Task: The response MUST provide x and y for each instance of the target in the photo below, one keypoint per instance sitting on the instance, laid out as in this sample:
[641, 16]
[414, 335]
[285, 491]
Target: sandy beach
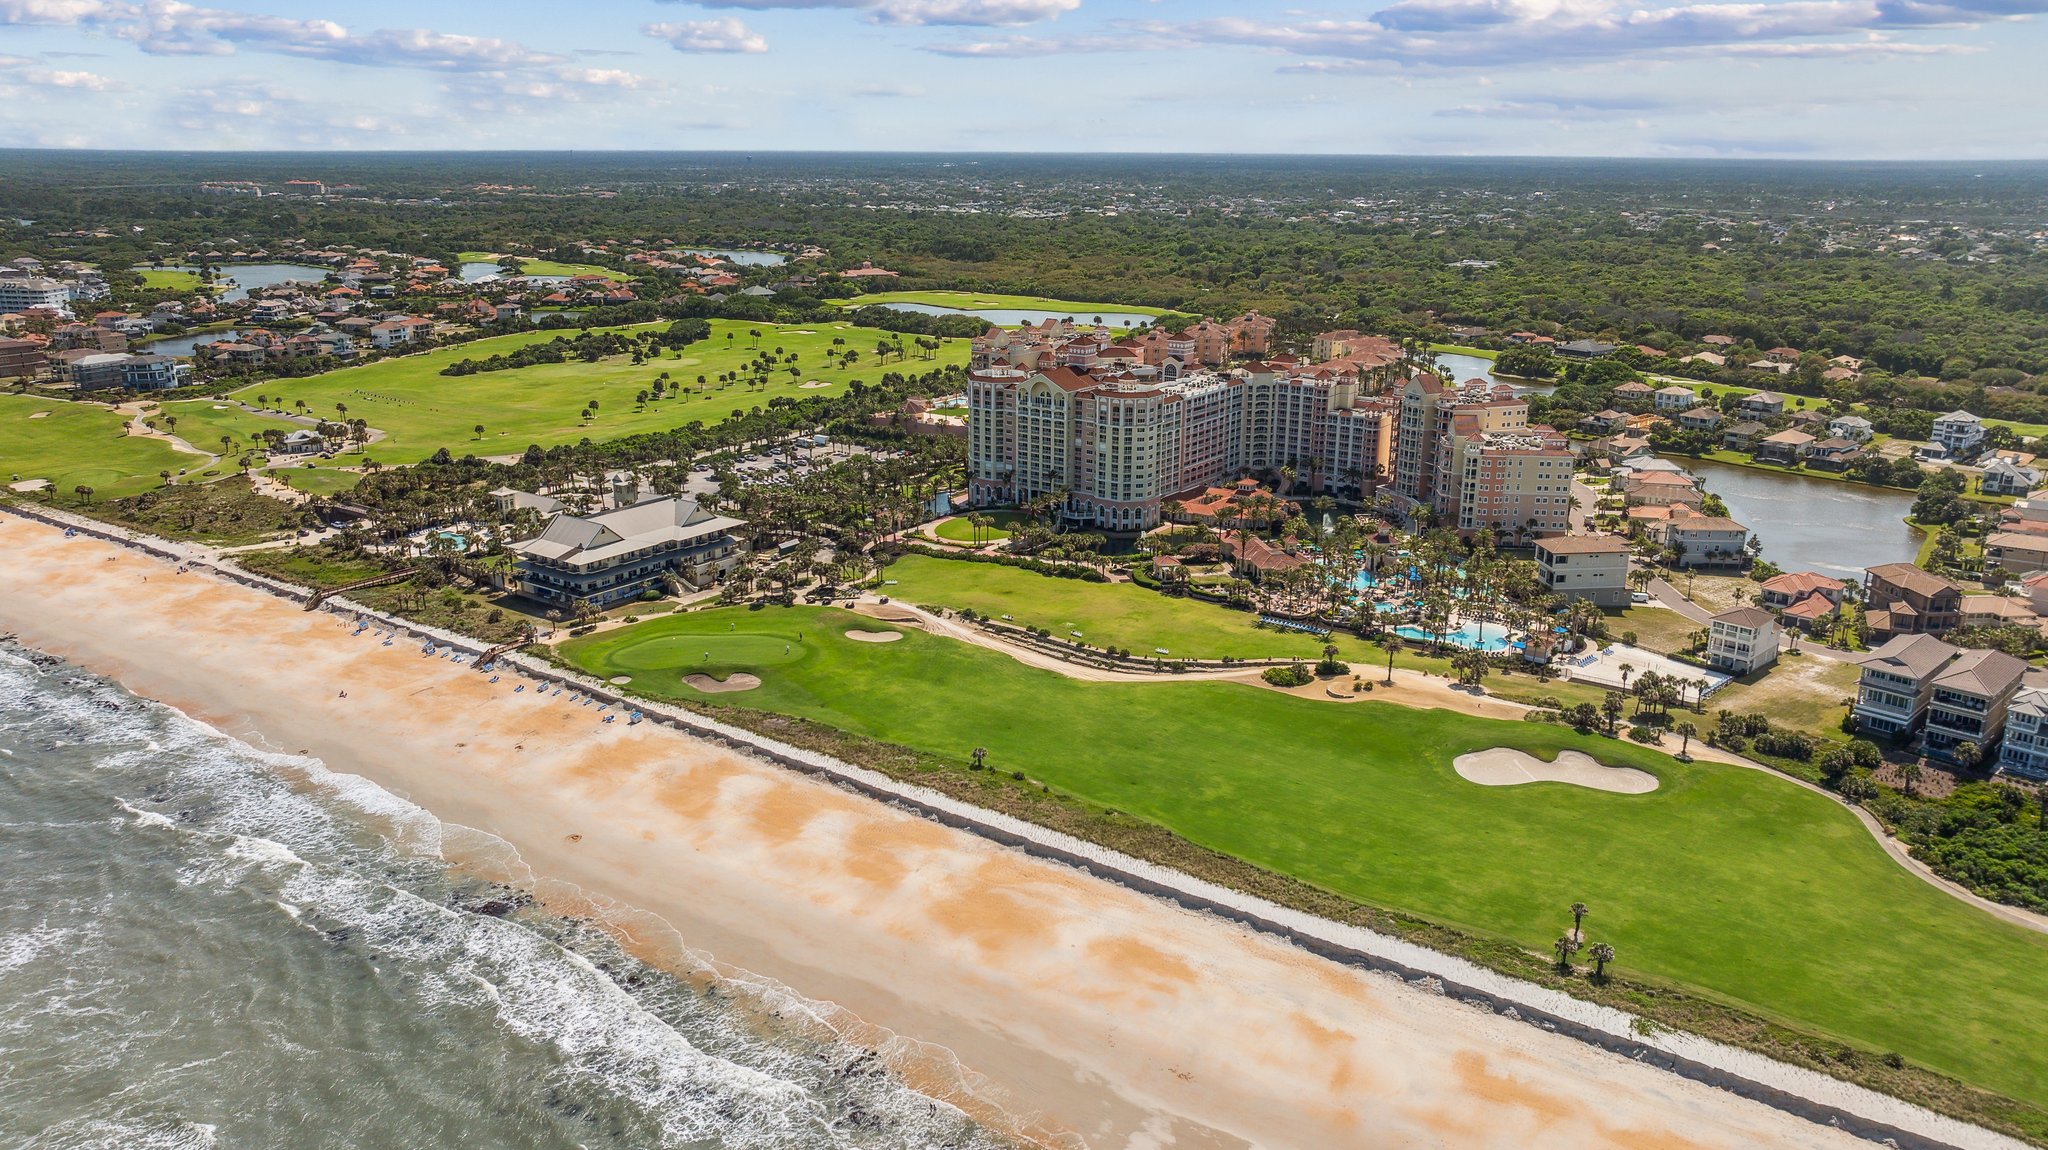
[1086, 1013]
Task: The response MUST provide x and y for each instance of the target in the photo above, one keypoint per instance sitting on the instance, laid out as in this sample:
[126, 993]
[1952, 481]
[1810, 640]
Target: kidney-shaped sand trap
[874, 636]
[737, 681]
[1506, 767]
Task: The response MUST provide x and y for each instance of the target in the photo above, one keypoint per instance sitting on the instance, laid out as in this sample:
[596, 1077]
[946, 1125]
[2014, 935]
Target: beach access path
[1084, 1012]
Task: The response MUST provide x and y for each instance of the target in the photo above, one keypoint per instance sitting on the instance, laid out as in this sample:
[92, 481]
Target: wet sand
[1097, 1016]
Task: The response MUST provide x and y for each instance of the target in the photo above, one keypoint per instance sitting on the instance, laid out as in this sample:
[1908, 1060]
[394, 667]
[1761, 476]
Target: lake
[1809, 524]
[185, 345]
[248, 277]
[1468, 367]
[478, 271]
[1014, 317]
[748, 259]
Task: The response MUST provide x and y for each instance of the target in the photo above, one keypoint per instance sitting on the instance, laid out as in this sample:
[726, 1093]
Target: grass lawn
[168, 279]
[202, 423]
[975, 301]
[1724, 879]
[1461, 349]
[80, 443]
[1804, 692]
[545, 267]
[317, 480]
[959, 530]
[1657, 628]
[1106, 614]
[421, 410]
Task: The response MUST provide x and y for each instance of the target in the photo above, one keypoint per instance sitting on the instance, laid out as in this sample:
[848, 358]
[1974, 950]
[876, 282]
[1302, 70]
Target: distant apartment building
[1117, 443]
[21, 359]
[30, 293]
[1589, 567]
[1742, 641]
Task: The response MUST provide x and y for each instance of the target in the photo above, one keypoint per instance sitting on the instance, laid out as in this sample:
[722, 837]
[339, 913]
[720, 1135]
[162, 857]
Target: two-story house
[1706, 541]
[1698, 419]
[1742, 641]
[2016, 552]
[1853, 428]
[1676, 397]
[1761, 405]
[1901, 599]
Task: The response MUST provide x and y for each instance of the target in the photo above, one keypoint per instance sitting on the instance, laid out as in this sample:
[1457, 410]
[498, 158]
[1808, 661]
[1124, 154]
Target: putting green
[1727, 880]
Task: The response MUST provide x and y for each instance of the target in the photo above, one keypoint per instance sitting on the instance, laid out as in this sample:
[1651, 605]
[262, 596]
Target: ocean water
[203, 944]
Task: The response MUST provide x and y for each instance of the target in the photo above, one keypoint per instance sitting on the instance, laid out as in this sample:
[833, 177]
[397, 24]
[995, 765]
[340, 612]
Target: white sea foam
[124, 1133]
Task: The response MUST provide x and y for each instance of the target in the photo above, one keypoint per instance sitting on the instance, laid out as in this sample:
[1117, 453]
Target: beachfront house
[1590, 567]
[2024, 750]
[1970, 698]
[1898, 683]
[1742, 641]
[658, 545]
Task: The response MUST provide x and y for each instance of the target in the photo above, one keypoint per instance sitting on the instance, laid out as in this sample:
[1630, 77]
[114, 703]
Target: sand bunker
[39, 415]
[874, 636]
[619, 680]
[1506, 767]
[29, 485]
[737, 681]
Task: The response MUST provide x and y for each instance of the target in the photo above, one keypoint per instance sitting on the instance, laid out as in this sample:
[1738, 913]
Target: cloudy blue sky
[1787, 78]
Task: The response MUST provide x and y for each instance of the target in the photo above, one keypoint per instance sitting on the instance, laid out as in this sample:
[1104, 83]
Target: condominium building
[1516, 482]
[1590, 567]
[618, 555]
[1434, 417]
[1114, 444]
[26, 293]
[21, 359]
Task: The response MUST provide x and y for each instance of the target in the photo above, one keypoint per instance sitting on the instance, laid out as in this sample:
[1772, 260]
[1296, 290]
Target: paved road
[1664, 593]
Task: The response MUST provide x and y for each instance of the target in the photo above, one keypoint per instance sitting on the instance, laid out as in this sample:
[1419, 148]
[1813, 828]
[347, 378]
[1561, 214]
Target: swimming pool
[1477, 636]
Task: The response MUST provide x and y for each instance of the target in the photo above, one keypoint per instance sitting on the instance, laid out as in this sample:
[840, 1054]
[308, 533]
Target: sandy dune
[1087, 1014]
[1507, 767]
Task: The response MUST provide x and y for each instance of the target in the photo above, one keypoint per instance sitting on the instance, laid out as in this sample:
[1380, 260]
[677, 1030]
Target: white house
[1674, 398]
[1742, 641]
[1853, 428]
[1958, 434]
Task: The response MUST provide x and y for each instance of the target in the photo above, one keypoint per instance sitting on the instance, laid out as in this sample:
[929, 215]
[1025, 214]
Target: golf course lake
[1812, 524]
[238, 280]
[1014, 316]
[185, 345]
[747, 259]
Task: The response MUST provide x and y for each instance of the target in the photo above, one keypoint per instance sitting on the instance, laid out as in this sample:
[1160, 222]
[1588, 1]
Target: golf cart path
[1415, 689]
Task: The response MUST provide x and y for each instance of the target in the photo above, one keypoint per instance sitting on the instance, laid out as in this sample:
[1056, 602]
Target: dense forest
[1933, 270]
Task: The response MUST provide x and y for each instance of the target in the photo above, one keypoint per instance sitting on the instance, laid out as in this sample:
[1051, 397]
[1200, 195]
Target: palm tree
[165, 476]
[1391, 644]
[1685, 733]
[479, 429]
[1627, 669]
[84, 492]
[1602, 955]
[1565, 946]
[1910, 774]
[1612, 706]
[1579, 912]
[980, 757]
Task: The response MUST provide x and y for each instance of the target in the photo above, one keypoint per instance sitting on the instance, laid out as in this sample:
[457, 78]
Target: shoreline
[1118, 1014]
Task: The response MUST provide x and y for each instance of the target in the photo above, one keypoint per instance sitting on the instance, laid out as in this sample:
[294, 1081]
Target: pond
[1013, 317]
[747, 259]
[477, 272]
[1468, 367]
[184, 345]
[1812, 524]
[240, 279]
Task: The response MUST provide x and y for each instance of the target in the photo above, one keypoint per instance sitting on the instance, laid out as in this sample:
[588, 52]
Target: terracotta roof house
[1902, 599]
